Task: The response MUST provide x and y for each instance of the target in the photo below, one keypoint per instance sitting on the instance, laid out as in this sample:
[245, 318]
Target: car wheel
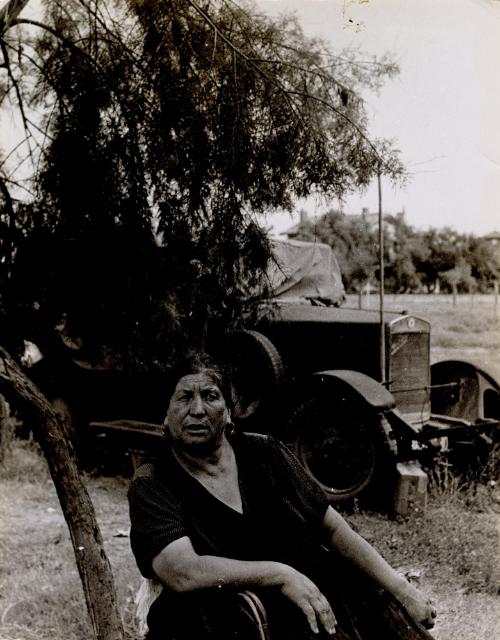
[338, 442]
[257, 372]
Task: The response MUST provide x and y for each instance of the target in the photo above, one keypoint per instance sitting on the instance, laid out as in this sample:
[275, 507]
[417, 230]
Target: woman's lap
[365, 613]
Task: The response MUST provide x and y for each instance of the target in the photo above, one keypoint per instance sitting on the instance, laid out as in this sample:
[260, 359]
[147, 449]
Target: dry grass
[40, 590]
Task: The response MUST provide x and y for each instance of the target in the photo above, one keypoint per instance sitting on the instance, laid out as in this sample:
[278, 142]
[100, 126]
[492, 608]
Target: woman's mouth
[196, 428]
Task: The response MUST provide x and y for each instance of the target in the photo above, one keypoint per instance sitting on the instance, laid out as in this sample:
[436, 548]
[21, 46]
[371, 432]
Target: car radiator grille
[409, 375]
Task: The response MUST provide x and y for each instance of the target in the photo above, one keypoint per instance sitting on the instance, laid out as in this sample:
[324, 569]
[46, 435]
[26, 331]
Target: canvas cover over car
[305, 271]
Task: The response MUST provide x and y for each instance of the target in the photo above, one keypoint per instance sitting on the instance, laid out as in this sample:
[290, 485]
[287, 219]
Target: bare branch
[9, 12]
[242, 55]
[18, 185]
[288, 92]
[57, 34]
[19, 96]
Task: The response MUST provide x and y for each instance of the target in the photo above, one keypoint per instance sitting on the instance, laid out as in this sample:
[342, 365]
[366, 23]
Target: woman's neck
[210, 463]
[217, 472]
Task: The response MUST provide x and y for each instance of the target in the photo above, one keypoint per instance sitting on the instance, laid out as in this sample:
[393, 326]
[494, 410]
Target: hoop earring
[229, 428]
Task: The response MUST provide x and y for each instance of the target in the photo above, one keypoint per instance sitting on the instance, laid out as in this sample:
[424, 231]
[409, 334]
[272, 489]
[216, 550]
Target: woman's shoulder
[145, 471]
[156, 472]
[263, 444]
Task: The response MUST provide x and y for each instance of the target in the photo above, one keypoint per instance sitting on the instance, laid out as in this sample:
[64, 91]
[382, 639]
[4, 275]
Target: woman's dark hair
[200, 362]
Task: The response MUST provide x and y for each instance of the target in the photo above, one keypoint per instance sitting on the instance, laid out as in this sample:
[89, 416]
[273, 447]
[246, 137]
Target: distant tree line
[427, 261]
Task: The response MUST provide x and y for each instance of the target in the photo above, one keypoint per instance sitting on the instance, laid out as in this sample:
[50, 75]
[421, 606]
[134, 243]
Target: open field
[452, 549]
[469, 330]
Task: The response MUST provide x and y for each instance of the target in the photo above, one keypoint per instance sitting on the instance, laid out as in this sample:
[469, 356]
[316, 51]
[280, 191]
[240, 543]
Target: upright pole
[495, 291]
[381, 280]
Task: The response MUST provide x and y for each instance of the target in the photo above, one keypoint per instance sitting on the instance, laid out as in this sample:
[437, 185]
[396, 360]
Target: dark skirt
[363, 612]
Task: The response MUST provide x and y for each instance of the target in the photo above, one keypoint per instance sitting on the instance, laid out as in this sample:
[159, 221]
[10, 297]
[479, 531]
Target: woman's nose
[196, 408]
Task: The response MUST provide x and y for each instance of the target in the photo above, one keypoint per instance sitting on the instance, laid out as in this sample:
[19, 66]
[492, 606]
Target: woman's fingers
[325, 614]
[421, 609]
[322, 613]
[306, 595]
[310, 614]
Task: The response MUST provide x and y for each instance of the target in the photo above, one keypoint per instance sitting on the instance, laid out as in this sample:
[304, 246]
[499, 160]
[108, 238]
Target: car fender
[475, 397]
[369, 390]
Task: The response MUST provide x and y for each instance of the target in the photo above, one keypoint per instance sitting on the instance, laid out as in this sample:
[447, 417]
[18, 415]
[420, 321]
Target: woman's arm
[181, 569]
[357, 550]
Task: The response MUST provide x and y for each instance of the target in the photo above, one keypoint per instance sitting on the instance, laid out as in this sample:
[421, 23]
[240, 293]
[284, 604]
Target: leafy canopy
[177, 120]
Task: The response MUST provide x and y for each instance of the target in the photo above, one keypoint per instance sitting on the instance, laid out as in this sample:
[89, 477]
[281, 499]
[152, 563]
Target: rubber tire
[257, 372]
[339, 442]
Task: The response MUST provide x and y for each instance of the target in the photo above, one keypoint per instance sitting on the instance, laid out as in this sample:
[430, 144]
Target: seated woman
[219, 512]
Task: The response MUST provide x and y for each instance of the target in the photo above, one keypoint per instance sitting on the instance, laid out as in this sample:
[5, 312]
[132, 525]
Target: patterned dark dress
[281, 521]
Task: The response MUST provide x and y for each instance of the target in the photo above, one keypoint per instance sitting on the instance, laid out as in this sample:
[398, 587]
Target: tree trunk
[6, 429]
[93, 565]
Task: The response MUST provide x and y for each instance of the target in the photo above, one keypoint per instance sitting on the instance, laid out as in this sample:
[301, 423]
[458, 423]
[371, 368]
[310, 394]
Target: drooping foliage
[172, 123]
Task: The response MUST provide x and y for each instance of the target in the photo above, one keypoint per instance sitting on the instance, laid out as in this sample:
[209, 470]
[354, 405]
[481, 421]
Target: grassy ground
[453, 552]
[40, 590]
[452, 549]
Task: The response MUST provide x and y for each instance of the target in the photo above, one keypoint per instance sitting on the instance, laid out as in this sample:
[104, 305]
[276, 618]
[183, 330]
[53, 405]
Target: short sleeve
[300, 493]
[156, 518]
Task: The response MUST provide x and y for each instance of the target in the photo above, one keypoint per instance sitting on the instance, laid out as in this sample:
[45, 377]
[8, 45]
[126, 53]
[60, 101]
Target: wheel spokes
[338, 451]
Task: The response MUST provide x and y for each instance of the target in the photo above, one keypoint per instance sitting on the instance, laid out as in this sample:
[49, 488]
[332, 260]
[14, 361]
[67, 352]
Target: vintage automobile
[351, 390]
[351, 401]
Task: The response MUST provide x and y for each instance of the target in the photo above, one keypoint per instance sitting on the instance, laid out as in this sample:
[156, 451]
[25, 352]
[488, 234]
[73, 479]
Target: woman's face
[197, 414]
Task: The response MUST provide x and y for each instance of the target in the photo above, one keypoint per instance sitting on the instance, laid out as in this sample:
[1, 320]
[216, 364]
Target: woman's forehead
[192, 380]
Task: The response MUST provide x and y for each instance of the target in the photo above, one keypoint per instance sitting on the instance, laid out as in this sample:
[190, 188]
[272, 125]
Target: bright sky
[443, 109]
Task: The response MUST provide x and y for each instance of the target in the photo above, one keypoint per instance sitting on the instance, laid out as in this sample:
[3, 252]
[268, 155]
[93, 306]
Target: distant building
[370, 218]
[293, 232]
[493, 239]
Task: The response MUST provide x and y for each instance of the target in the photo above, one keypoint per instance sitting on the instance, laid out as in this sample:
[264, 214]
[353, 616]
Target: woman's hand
[357, 550]
[418, 606]
[306, 595]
